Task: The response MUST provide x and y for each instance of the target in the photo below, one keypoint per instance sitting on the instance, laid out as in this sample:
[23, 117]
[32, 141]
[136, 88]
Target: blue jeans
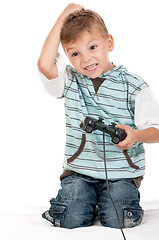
[80, 196]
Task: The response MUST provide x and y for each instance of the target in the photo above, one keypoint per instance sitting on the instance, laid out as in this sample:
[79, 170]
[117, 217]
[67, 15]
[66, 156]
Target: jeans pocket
[56, 213]
[132, 217]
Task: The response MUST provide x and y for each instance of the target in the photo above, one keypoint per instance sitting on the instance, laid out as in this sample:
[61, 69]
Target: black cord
[106, 173]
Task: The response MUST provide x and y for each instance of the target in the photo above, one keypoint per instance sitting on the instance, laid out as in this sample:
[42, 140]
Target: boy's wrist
[148, 135]
[59, 23]
[61, 19]
[137, 135]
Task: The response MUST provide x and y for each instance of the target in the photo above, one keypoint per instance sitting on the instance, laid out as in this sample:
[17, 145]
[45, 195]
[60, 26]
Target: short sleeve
[146, 110]
[55, 87]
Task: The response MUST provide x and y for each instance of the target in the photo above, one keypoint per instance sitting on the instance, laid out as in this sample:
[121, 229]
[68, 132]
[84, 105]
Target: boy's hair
[81, 20]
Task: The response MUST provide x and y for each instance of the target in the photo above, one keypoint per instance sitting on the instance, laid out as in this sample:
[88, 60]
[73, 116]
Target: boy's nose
[86, 58]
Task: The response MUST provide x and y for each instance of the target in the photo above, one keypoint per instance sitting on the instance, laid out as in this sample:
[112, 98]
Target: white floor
[27, 224]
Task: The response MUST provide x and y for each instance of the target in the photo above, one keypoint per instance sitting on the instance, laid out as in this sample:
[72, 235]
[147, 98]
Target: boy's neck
[109, 67]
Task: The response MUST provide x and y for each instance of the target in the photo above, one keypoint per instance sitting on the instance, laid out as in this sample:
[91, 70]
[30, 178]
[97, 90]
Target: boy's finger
[125, 127]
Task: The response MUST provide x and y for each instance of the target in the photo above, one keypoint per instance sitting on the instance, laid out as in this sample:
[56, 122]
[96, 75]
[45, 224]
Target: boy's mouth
[91, 67]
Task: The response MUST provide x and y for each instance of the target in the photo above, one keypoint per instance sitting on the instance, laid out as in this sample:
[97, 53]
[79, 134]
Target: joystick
[89, 124]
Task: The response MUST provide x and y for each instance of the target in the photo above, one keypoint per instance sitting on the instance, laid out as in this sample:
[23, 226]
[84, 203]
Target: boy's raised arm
[46, 61]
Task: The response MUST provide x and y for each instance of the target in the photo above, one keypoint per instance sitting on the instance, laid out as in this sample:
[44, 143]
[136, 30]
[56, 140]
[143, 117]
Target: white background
[32, 123]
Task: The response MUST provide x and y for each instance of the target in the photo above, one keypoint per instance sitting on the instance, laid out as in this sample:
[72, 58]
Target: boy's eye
[93, 47]
[74, 54]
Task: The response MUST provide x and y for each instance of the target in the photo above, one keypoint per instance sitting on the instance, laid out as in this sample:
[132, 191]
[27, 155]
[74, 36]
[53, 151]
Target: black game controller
[90, 124]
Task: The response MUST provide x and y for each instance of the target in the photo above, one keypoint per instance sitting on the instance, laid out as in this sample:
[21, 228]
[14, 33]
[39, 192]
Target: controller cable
[107, 183]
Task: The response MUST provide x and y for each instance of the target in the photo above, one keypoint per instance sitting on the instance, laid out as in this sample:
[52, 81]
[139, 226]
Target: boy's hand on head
[129, 140]
[71, 8]
[46, 61]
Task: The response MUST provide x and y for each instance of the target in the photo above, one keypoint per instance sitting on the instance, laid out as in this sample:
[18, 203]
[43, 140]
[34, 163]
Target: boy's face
[89, 54]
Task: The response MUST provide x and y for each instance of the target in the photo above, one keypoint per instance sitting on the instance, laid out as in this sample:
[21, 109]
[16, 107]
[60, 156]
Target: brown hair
[81, 20]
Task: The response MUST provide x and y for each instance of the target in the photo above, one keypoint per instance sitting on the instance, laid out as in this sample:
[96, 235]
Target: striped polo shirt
[112, 97]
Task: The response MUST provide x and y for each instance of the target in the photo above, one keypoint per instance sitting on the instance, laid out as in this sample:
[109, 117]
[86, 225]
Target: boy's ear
[110, 43]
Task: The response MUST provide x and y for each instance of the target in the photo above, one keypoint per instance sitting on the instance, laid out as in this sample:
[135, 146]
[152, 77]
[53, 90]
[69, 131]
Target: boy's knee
[129, 217]
[70, 215]
[132, 217]
[76, 222]
[67, 222]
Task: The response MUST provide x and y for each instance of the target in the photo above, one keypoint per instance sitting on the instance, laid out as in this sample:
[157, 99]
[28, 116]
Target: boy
[96, 87]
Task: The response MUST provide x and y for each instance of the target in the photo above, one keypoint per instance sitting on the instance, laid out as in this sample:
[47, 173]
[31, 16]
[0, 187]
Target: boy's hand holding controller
[129, 140]
[149, 135]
